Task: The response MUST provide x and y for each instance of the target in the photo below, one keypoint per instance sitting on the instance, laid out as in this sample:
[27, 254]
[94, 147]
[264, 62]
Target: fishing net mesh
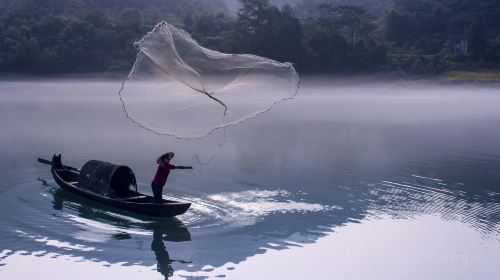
[177, 87]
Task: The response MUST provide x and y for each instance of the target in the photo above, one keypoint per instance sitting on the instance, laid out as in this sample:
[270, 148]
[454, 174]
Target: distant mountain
[375, 7]
[3, 5]
[56, 6]
[233, 5]
[210, 5]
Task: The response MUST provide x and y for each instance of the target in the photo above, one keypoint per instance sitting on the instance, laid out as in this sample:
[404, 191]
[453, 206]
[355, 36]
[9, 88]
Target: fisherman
[162, 173]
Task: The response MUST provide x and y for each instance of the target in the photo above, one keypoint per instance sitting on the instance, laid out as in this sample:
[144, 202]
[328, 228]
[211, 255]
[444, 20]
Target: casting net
[177, 87]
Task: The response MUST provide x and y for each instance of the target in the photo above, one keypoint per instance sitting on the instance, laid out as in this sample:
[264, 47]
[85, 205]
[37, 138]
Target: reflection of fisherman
[162, 173]
[164, 263]
[177, 234]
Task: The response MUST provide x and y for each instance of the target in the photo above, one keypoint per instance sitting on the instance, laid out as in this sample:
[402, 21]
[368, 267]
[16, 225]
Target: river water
[346, 181]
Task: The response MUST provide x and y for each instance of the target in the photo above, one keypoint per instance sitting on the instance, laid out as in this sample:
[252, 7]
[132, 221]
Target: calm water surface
[363, 181]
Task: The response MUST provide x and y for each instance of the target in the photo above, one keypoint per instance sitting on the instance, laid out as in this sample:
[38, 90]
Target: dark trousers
[157, 192]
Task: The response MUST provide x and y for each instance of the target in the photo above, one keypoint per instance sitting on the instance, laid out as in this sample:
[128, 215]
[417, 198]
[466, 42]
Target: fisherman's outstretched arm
[183, 167]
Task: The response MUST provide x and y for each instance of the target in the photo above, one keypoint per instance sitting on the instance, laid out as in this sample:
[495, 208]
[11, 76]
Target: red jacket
[162, 174]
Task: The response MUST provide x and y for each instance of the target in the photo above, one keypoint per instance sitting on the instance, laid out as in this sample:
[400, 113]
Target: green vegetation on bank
[428, 37]
[468, 76]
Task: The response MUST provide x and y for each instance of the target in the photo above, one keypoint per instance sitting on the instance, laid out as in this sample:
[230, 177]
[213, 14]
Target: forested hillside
[405, 36]
[83, 35]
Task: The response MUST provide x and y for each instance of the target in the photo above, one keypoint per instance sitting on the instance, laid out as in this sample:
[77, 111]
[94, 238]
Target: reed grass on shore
[480, 76]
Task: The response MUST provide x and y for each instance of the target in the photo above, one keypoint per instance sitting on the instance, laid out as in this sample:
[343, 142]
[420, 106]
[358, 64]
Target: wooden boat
[111, 185]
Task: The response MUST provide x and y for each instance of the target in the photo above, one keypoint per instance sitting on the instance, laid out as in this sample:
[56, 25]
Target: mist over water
[357, 180]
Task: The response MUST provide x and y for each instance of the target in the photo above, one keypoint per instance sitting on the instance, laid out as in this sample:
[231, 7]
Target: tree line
[410, 36]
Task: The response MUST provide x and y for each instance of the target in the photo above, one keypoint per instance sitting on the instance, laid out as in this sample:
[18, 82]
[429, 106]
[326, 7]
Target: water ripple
[480, 211]
[237, 209]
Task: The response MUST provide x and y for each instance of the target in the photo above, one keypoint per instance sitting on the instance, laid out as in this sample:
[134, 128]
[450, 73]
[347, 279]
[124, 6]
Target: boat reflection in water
[163, 229]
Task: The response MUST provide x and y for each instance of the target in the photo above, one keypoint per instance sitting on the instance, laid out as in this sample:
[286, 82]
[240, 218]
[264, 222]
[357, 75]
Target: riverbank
[479, 76]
